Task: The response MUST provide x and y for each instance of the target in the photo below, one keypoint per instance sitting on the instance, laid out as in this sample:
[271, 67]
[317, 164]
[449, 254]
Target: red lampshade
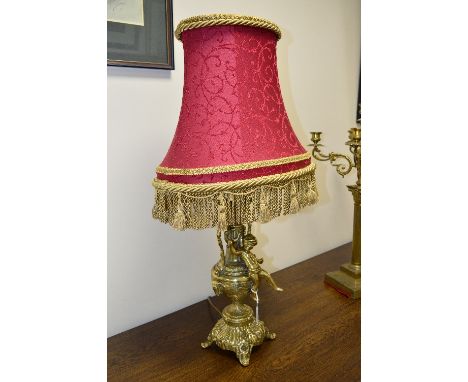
[234, 144]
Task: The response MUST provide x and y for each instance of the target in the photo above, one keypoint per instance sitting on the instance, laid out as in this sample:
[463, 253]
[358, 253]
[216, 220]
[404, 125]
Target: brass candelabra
[347, 279]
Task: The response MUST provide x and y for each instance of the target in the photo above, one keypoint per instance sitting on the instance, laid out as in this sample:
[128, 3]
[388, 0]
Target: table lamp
[234, 160]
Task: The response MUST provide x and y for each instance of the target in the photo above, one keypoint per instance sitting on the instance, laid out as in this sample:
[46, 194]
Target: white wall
[154, 270]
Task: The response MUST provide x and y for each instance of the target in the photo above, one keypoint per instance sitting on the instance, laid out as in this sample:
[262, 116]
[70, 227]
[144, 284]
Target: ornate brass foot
[270, 335]
[207, 343]
[243, 355]
[238, 334]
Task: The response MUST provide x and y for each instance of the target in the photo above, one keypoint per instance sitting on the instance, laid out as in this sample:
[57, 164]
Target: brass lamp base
[237, 275]
[347, 280]
[238, 331]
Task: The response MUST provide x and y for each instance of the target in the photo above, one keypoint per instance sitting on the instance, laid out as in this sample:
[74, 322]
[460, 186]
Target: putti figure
[252, 262]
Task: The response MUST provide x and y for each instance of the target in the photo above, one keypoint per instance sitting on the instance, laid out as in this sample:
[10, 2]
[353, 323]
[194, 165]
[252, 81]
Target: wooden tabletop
[318, 336]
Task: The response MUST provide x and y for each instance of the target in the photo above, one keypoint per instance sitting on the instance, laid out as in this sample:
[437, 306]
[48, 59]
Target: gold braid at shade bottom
[240, 202]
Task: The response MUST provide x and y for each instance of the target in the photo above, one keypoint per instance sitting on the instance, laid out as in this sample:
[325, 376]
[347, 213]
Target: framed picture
[140, 33]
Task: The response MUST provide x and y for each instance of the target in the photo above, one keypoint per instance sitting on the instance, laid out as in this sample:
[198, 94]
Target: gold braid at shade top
[227, 19]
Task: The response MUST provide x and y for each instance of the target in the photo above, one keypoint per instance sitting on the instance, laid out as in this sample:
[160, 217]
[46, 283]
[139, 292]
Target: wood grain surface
[318, 336]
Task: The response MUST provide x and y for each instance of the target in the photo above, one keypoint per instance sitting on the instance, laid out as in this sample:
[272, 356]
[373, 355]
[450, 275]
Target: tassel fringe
[199, 210]
[222, 220]
[294, 206]
[179, 218]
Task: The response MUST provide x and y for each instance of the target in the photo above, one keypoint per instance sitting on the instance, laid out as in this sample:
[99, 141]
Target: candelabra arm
[341, 168]
[317, 154]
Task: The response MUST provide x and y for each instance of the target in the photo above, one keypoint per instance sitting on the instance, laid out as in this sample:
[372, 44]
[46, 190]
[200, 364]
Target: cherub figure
[252, 262]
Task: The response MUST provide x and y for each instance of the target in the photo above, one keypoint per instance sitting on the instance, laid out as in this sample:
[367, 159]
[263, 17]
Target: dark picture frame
[143, 46]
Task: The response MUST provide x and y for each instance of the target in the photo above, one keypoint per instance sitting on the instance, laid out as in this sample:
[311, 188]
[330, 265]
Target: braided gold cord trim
[233, 185]
[186, 206]
[233, 167]
[225, 19]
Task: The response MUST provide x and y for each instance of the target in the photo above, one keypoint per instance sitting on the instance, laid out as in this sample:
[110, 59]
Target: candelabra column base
[347, 280]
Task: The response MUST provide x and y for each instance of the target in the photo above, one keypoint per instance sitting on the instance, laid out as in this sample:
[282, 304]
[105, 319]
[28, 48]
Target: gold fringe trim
[225, 19]
[232, 167]
[199, 206]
